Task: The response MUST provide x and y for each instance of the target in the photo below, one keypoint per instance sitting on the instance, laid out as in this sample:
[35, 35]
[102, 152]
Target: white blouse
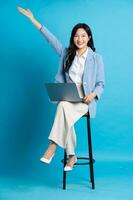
[76, 71]
[77, 68]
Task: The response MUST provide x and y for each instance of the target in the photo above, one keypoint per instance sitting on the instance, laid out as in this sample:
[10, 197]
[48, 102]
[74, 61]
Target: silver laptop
[64, 92]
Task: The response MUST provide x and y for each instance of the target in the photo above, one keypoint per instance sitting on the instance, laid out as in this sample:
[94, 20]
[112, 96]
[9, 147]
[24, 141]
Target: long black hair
[71, 50]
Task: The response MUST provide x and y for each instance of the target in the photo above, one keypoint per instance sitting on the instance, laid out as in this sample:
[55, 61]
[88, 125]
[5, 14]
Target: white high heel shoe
[68, 168]
[45, 160]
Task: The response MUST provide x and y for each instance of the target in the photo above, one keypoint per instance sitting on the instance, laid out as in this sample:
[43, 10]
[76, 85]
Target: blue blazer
[93, 76]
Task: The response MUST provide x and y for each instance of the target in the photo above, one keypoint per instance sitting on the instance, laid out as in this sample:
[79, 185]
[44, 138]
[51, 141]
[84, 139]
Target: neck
[81, 51]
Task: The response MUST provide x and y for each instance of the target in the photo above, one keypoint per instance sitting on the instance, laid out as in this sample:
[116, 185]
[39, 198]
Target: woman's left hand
[89, 98]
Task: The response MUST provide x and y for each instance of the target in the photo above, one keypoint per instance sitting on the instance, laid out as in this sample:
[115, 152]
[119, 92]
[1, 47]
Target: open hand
[27, 12]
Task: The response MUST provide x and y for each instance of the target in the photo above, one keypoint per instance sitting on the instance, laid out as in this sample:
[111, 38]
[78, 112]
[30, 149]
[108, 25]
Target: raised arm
[54, 42]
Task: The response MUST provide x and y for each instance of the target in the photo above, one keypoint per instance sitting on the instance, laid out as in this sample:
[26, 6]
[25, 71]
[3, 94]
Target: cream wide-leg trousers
[63, 132]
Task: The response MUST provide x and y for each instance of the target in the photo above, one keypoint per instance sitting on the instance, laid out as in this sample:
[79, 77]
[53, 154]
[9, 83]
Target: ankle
[53, 146]
[72, 156]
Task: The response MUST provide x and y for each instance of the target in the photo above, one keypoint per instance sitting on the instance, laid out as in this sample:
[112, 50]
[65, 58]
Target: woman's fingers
[21, 10]
[87, 99]
[27, 12]
[30, 14]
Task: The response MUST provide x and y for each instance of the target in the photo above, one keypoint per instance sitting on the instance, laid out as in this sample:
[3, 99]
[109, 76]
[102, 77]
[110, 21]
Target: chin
[80, 47]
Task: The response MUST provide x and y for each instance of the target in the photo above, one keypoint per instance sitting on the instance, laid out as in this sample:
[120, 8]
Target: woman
[79, 63]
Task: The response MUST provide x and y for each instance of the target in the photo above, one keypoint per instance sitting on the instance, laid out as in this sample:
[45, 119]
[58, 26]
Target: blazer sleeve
[100, 77]
[54, 42]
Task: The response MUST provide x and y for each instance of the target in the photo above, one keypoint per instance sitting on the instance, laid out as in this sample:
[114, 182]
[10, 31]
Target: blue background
[27, 61]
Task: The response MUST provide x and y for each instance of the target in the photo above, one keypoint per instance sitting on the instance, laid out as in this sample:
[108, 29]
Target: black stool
[90, 160]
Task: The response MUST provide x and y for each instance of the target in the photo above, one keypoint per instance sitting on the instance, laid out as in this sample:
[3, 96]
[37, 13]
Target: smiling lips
[80, 43]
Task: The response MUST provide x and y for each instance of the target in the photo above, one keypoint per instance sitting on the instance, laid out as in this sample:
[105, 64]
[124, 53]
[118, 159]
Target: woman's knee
[63, 104]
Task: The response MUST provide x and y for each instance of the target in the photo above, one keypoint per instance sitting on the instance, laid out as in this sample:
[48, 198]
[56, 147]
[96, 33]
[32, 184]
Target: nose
[79, 39]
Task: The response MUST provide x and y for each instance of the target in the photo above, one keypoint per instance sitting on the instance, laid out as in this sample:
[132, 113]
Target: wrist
[93, 94]
[35, 22]
[32, 19]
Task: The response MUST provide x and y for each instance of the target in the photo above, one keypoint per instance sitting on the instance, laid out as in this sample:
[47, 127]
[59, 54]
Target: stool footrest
[81, 163]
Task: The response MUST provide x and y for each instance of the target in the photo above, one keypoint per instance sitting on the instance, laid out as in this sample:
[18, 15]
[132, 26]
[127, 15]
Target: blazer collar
[90, 53]
[88, 59]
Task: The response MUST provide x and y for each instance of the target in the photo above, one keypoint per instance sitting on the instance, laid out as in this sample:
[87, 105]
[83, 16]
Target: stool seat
[89, 160]
[86, 115]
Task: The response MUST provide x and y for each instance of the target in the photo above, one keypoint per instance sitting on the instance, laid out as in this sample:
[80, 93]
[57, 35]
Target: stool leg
[90, 154]
[64, 172]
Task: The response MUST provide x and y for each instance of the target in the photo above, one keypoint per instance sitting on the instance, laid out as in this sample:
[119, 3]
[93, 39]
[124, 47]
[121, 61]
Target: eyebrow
[81, 34]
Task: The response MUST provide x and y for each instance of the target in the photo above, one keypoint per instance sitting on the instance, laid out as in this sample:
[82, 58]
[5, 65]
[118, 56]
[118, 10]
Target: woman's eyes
[79, 36]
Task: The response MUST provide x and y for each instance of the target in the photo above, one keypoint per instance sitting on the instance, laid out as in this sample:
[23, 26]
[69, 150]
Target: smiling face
[81, 38]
